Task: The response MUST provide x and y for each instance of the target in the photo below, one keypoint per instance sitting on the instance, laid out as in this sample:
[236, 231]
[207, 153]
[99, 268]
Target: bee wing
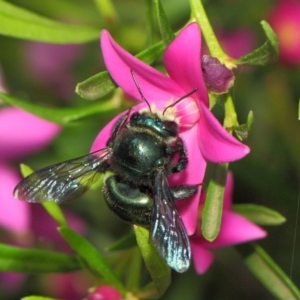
[168, 233]
[64, 181]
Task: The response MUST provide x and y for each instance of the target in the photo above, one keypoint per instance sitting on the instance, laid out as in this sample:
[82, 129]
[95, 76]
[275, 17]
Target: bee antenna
[139, 89]
[180, 99]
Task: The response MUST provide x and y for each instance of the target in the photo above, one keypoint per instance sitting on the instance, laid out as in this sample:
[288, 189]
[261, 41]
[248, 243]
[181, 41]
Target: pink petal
[22, 133]
[235, 229]
[183, 62]
[216, 144]
[202, 257]
[193, 174]
[154, 85]
[15, 215]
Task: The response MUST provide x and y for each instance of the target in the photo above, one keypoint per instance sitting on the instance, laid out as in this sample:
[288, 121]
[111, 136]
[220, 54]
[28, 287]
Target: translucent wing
[168, 233]
[64, 181]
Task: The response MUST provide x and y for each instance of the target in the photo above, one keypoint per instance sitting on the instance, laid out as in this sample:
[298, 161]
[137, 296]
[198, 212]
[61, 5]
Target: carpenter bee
[143, 150]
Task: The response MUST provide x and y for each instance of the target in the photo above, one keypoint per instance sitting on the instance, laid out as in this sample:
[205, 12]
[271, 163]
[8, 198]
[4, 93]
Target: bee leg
[127, 202]
[182, 192]
[183, 160]
[118, 126]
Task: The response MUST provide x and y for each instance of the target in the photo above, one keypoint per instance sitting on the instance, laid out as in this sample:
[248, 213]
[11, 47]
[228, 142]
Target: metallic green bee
[142, 151]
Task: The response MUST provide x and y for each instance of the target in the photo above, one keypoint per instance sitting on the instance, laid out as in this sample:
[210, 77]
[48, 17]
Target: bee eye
[170, 126]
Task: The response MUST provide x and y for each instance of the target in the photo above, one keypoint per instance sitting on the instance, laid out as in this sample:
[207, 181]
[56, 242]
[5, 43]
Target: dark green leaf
[213, 207]
[34, 261]
[21, 23]
[259, 214]
[95, 262]
[270, 274]
[126, 242]
[101, 84]
[158, 269]
[63, 116]
[163, 23]
[267, 53]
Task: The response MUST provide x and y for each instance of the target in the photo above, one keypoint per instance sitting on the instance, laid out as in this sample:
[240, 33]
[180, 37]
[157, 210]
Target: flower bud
[217, 77]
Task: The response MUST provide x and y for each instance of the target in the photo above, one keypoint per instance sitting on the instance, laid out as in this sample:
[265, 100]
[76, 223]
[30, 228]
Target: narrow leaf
[213, 206]
[101, 84]
[158, 269]
[56, 213]
[125, 242]
[163, 23]
[63, 116]
[95, 262]
[35, 261]
[259, 214]
[38, 298]
[267, 53]
[270, 274]
[299, 110]
[21, 23]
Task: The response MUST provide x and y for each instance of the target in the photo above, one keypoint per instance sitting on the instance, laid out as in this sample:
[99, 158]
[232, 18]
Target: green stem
[198, 13]
[230, 119]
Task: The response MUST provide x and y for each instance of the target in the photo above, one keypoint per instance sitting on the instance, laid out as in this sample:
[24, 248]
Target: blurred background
[48, 73]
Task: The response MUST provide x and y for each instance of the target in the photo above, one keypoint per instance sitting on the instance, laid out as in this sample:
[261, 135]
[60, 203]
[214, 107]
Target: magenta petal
[15, 214]
[154, 85]
[22, 133]
[236, 229]
[183, 63]
[216, 144]
[193, 174]
[202, 257]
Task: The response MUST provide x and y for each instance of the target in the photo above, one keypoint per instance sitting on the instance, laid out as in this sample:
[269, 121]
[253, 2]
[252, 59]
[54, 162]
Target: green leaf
[243, 131]
[125, 242]
[96, 86]
[101, 84]
[267, 53]
[95, 262]
[38, 298]
[35, 261]
[259, 214]
[56, 213]
[299, 110]
[62, 116]
[159, 271]
[270, 274]
[21, 23]
[25, 170]
[213, 206]
[163, 23]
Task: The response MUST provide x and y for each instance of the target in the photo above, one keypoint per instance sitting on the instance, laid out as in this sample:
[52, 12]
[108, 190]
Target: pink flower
[235, 229]
[104, 292]
[285, 20]
[204, 137]
[21, 133]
